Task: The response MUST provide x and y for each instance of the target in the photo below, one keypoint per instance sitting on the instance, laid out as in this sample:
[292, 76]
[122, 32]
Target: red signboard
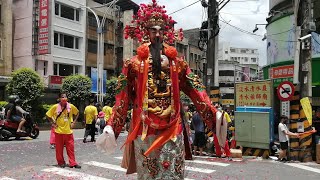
[282, 72]
[44, 27]
[56, 79]
[55, 82]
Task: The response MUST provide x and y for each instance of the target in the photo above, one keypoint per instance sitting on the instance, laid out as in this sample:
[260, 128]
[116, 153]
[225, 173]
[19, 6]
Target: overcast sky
[240, 13]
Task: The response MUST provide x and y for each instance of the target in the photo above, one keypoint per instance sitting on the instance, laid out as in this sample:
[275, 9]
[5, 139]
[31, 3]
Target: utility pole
[212, 27]
[305, 70]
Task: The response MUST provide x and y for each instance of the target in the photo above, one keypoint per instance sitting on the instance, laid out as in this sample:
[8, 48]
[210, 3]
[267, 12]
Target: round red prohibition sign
[285, 91]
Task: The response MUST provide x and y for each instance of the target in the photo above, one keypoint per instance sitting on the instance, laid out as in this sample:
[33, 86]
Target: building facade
[281, 47]
[49, 37]
[235, 65]
[5, 44]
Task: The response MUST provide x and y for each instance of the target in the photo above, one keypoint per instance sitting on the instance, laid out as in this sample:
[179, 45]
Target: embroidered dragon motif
[151, 165]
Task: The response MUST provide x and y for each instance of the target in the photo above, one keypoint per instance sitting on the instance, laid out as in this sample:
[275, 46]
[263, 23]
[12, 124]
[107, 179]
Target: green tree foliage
[111, 92]
[27, 84]
[77, 87]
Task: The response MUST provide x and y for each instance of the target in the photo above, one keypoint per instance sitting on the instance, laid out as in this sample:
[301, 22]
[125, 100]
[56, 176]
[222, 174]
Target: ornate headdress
[149, 16]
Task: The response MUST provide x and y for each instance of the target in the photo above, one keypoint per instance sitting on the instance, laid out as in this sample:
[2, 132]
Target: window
[233, 50]
[252, 51]
[66, 41]
[254, 60]
[1, 49]
[226, 52]
[246, 59]
[45, 67]
[191, 57]
[67, 12]
[226, 73]
[243, 51]
[92, 46]
[64, 69]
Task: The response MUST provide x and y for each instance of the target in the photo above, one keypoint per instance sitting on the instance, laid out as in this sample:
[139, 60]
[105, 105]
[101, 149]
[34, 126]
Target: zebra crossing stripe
[208, 163]
[106, 165]
[187, 167]
[201, 170]
[6, 178]
[72, 174]
[303, 167]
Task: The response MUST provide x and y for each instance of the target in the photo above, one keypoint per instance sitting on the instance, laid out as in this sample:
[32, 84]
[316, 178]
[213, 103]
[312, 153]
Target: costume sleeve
[190, 84]
[123, 90]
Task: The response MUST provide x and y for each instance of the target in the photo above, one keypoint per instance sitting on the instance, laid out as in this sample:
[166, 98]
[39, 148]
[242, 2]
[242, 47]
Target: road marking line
[208, 163]
[120, 157]
[5, 178]
[207, 171]
[72, 174]
[106, 165]
[304, 167]
[188, 179]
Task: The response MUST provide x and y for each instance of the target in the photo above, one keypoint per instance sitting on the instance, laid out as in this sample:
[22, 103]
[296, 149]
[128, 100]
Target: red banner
[56, 79]
[282, 72]
[44, 27]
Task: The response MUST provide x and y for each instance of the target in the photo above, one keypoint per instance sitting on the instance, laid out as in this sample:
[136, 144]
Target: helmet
[13, 98]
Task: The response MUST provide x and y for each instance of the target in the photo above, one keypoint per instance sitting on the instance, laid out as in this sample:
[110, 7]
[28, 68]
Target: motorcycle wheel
[4, 135]
[34, 133]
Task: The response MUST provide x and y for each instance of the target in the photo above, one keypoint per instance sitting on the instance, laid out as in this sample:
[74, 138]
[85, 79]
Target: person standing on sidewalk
[284, 134]
[63, 117]
[90, 117]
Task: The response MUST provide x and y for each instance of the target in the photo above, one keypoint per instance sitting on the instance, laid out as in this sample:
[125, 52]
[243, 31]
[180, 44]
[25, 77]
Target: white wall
[69, 27]
[22, 37]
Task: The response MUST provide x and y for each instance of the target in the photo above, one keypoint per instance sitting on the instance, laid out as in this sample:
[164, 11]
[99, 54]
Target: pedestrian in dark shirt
[199, 137]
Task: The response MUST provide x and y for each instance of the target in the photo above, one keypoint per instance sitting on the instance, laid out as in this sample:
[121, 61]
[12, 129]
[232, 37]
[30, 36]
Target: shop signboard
[227, 101]
[254, 94]
[285, 108]
[55, 82]
[44, 27]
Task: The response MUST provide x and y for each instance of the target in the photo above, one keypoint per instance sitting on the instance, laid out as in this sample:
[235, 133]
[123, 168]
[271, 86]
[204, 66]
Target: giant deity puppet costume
[152, 81]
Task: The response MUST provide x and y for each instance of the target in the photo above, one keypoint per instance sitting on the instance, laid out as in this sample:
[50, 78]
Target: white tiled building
[67, 32]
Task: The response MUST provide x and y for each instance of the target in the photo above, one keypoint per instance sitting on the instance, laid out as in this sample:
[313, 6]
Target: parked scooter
[9, 129]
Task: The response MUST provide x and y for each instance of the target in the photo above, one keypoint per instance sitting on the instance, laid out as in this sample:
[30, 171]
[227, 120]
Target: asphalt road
[33, 159]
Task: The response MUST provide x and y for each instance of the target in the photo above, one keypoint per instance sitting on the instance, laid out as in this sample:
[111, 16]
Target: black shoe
[93, 140]
[62, 165]
[84, 141]
[76, 166]
[284, 160]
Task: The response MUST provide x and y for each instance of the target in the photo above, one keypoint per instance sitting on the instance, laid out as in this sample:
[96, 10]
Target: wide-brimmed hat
[101, 114]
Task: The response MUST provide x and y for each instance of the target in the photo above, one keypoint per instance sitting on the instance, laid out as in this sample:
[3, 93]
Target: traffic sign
[285, 91]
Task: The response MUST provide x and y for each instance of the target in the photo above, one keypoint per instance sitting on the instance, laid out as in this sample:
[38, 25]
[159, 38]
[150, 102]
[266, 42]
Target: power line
[243, 14]
[250, 33]
[185, 7]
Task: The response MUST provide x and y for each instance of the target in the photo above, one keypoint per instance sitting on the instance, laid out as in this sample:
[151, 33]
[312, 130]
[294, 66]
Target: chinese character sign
[282, 72]
[44, 40]
[254, 94]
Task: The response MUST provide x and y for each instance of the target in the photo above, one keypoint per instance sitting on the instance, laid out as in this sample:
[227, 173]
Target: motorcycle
[9, 129]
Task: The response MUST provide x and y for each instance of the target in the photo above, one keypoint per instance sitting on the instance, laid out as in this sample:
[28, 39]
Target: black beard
[155, 49]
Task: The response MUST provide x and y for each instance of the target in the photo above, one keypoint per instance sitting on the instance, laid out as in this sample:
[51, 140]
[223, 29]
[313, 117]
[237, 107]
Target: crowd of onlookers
[204, 142]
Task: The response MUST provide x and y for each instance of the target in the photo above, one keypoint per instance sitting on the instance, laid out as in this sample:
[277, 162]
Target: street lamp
[256, 27]
[100, 46]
